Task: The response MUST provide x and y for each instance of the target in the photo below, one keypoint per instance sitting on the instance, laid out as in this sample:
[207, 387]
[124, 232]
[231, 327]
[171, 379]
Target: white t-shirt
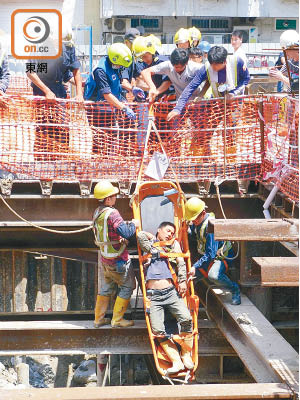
[179, 81]
[240, 53]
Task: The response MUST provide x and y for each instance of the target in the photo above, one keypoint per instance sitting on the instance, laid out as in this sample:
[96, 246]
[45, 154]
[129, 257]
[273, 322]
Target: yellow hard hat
[193, 207]
[182, 36]
[155, 40]
[119, 54]
[195, 33]
[142, 45]
[104, 189]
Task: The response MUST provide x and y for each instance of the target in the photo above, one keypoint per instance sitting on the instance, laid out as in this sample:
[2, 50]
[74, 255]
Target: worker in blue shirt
[107, 93]
[224, 73]
[215, 256]
[145, 50]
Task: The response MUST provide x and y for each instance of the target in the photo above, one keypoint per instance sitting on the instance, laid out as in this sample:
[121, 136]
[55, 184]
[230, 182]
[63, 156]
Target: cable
[40, 227]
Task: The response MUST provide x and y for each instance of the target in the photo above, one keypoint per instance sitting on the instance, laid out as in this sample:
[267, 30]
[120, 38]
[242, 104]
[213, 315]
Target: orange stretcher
[153, 203]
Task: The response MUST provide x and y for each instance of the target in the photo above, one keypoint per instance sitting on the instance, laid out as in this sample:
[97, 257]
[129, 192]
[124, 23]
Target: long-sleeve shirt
[146, 245]
[243, 79]
[4, 75]
[211, 247]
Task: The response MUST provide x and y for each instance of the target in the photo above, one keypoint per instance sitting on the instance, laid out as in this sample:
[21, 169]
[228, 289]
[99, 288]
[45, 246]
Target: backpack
[89, 88]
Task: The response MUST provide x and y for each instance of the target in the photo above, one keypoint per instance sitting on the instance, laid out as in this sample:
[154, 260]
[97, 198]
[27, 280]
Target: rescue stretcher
[153, 203]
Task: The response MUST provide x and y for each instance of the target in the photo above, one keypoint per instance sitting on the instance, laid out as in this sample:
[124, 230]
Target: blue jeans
[168, 299]
[217, 275]
[114, 280]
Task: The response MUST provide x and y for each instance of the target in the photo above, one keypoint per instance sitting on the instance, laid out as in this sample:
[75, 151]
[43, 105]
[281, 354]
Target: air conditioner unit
[250, 33]
[110, 38]
[120, 25]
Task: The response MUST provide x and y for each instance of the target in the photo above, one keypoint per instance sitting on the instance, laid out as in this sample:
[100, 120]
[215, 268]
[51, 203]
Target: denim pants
[168, 300]
[217, 275]
[114, 280]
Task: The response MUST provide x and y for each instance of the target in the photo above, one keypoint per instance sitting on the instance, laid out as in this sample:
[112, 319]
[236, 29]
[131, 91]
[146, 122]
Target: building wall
[231, 8]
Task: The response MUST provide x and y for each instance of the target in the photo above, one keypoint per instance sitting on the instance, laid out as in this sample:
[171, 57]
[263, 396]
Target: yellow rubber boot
[119, 310]
[172, 352]
[100, 310]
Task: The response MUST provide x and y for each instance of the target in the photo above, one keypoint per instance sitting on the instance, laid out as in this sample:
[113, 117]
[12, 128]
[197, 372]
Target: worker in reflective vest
[111, 234]
[212, 264]
[224, 73]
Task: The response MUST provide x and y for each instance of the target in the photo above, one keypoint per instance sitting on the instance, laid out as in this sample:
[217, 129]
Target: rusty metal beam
[255, 229]
[277, 271]
[80, 337]
[245, 391]
[265, 353]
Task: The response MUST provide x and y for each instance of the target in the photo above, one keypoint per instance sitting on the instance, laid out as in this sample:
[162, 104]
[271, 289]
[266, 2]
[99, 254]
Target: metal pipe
[269, 201]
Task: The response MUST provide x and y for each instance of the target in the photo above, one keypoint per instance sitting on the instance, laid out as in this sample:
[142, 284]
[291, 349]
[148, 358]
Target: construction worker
[289, 41]
[104, 87]
[196, 55]
[236, 43]
[128, 74]
[183, 39]
[212, 263]
[50, 82]
[111, 233]
[4, 71]
[223, 72]
[145, 50]
[195, 36]
[204, 46]
[179, 69]
[164, 297]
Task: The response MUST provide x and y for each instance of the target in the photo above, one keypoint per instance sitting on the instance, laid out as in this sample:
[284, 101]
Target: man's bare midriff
[159, 283]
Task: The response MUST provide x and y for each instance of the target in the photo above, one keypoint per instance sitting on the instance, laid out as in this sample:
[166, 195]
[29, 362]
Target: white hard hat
[67, 34]
[289, 38]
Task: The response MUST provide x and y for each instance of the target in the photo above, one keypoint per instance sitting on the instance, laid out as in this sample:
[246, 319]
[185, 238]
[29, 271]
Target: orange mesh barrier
[62, 139]
[281, 159]
[19, 85]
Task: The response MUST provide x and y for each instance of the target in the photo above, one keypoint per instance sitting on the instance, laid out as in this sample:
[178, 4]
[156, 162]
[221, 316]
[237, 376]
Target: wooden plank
[255, 229]
[155, 392]
[277, 271]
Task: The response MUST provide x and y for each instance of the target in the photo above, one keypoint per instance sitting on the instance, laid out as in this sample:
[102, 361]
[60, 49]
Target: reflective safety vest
[201, 239]
[231, 75]
[101, 235]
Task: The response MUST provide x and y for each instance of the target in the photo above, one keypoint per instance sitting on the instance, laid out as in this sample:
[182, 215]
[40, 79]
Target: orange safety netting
[62, 139]
[19, 85]
[281, 156]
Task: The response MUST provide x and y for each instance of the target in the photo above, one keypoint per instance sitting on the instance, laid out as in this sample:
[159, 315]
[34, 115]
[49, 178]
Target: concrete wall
[231, 8]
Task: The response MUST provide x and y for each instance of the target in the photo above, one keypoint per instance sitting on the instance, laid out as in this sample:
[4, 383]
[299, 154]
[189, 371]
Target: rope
[41, 227]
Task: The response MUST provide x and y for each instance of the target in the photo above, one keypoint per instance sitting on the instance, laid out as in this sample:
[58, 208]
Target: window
[212, 24]
[200, 23]
[219, 24]
[150, 24]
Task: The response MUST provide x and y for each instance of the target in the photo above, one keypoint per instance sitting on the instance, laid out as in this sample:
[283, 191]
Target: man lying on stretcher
[163, 295]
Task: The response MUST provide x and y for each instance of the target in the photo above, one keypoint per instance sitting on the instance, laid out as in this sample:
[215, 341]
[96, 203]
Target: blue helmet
[204, 46]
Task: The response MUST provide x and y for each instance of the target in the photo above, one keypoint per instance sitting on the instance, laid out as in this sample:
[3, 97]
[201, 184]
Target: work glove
[129, 112]
[155, 253]
[138, 93]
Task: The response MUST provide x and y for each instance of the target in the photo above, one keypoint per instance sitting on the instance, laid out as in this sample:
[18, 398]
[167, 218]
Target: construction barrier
[65, 140]
[19, 85]
[281, 157]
